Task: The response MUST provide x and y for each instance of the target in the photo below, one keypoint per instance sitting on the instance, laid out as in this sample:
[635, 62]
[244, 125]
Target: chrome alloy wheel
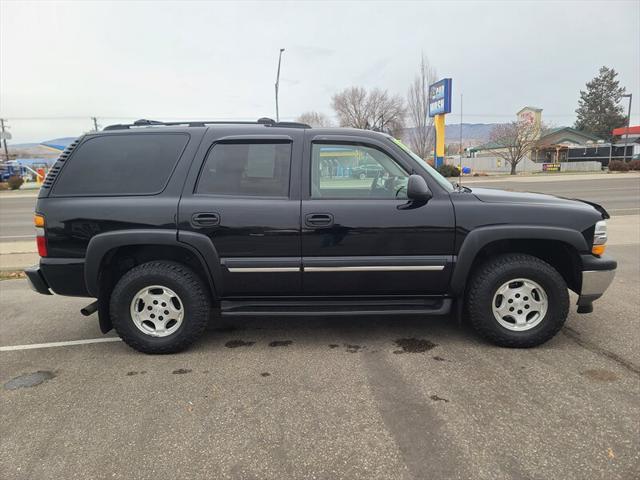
[157, 311]
[519, 304]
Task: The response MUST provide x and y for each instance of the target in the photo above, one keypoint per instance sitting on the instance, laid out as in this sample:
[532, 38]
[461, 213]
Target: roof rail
[267, 122]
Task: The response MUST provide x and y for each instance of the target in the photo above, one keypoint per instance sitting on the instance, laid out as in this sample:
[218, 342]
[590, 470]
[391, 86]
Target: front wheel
[517, 300]
[160, 307]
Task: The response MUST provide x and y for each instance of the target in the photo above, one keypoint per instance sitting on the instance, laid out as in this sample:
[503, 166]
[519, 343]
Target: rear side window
[247, 169]
[132, 164]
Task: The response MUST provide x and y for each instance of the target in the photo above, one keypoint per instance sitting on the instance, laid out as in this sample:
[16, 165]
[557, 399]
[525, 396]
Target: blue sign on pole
[440, 97]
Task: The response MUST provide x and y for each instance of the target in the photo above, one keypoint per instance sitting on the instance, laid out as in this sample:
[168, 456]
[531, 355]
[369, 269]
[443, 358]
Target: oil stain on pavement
[28, 380]
[414, 345]
[600, 375]
[280, 343]
[436, 398]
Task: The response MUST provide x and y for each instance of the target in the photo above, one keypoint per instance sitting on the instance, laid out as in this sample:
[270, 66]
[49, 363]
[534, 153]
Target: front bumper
[597, 275]
[36, 280]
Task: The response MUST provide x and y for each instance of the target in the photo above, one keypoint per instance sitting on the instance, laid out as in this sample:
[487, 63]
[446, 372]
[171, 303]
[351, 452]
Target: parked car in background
[367, 171]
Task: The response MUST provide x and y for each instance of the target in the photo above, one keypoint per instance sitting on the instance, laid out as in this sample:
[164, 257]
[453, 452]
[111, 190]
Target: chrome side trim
[262, 269]
[362, 268]
[376, 268]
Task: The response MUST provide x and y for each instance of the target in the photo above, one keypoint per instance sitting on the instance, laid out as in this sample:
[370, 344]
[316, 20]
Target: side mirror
[417, 189]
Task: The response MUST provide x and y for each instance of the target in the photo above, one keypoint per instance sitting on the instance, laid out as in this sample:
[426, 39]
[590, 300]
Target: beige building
[552, 145]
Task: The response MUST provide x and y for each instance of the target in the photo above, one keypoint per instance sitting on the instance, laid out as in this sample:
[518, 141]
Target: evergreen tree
[599, 110]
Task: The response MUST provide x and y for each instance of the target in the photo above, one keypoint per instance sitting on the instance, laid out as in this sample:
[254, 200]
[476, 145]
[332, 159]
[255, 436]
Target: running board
[306, 307]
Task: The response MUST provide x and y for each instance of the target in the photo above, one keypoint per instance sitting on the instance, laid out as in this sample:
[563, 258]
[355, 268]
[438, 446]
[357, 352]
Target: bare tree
[315, 119]
[375, 110]
[421, 136]
[514, 141]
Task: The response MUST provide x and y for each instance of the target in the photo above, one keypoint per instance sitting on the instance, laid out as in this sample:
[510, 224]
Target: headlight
[599, 238]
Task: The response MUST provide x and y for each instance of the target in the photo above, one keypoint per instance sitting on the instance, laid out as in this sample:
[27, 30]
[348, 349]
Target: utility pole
[626, 135]
[5, 134]
[95, 124]
[278, 85]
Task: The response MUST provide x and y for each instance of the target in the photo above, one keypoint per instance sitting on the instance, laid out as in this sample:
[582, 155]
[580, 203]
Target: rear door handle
[205, 219]
[315, 220]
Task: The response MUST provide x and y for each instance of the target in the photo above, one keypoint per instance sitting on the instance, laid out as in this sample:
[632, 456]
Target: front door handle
[315, 220]
[205, 219]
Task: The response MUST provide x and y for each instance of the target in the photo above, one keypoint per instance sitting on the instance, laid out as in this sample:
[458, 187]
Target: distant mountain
[60, 143]
[472, 133]
[46, 149]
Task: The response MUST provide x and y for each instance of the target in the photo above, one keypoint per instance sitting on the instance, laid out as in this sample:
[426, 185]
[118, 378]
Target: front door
[239, 194]
[358, 237]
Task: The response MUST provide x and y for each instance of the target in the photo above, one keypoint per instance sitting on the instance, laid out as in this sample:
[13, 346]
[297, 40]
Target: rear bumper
[63, 276]
[597, 275]
[37, 281]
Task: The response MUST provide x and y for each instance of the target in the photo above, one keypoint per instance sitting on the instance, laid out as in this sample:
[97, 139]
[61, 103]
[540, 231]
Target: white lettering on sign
[437, 92]
[437, 105]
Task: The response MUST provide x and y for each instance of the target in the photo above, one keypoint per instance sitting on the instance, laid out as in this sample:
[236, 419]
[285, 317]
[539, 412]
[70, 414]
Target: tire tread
[198, 317]
[476, 301]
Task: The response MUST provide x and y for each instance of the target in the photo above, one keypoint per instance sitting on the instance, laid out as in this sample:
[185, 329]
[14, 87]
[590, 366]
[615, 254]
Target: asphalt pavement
[326, 398]
[619, 194]
[16, 217]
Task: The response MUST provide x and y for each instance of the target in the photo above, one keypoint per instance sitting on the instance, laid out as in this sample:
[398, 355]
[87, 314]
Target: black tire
[487, 280]
[175, 276]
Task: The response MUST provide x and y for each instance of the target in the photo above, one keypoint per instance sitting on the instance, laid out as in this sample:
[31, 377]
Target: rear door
[360, 235]
[239, 193]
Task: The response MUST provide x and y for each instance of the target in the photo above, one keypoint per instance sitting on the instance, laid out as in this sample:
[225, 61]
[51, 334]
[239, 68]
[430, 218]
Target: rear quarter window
[131, 164]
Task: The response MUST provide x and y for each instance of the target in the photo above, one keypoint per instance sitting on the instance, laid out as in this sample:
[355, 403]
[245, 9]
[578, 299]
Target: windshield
[444, 183]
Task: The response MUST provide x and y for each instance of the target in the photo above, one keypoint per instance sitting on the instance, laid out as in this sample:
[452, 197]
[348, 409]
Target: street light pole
[278, 85]
[5, 134]
[626, 135]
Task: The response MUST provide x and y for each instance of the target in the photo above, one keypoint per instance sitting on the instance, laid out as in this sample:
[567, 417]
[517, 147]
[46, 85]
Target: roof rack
[267, 122]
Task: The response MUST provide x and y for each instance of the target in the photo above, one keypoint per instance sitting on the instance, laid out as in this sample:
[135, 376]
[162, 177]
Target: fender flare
[200, 245]
[480, 237]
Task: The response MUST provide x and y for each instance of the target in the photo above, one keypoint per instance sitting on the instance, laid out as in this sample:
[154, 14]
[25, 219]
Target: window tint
[355, 171]
[247, 169]
[137, 164]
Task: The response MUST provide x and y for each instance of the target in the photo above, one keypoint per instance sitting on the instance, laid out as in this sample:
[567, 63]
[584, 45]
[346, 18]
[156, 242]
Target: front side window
[247, 169]
[355, 171]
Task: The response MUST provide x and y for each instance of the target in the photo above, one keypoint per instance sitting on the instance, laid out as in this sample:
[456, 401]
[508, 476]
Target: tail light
[41, 239]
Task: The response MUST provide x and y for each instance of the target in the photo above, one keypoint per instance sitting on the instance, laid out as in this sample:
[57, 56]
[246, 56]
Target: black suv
[166, 224]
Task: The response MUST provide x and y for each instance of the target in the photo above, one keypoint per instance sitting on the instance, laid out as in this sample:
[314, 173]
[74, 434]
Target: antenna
[460, 149]
[278, 84]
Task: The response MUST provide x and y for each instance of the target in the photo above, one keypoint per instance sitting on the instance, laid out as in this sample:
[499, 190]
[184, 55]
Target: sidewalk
[18, 255]
[30, 193]
[550, 177]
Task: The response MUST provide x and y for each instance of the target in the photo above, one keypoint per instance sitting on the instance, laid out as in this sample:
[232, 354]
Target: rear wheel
[517, 300]
[160, 307]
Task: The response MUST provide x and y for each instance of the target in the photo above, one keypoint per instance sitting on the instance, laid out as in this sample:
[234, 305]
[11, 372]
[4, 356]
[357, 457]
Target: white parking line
[32, 346]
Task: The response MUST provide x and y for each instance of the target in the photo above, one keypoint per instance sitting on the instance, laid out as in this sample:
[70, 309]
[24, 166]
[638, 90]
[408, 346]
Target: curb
[4, 194]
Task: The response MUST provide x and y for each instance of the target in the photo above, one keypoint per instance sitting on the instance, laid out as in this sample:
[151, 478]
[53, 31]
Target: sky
[64, 62]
